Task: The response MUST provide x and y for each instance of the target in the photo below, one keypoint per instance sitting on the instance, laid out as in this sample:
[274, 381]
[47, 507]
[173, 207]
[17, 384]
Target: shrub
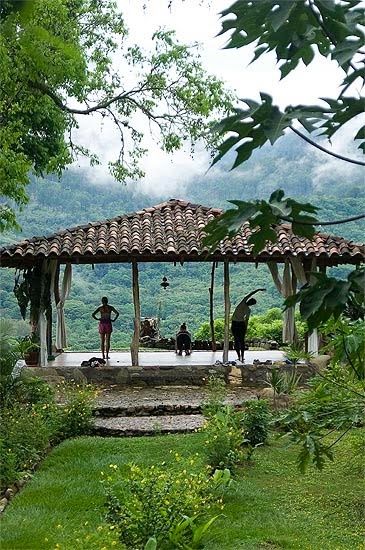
[217, 392]
[145, 502]
[255, 420]
[267, 325]
[222, 428]
[31, 389]
[203, 332]
[24, 439]
[75, 416]
[31, 421]
[224, 438]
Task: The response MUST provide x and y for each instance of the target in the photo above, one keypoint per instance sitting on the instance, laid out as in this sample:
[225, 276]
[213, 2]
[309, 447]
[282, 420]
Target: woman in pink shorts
[104, 313]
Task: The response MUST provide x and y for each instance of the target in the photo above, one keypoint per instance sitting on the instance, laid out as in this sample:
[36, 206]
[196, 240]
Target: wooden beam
[137, 315]
[227, 310]
[211, 308]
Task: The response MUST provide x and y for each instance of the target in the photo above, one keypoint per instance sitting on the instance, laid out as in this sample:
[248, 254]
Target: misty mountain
[75, 200]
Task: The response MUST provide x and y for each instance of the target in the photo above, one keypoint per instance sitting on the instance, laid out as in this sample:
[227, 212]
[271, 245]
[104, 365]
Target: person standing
[104, 313]
[240, 320]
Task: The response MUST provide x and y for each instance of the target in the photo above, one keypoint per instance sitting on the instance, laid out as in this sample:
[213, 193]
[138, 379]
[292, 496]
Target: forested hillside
[54, 205]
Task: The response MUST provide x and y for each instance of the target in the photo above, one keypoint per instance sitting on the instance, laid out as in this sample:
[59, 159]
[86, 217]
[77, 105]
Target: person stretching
[240, 320]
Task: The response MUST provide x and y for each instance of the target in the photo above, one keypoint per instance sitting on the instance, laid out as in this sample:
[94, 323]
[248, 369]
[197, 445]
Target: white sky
[199, 21]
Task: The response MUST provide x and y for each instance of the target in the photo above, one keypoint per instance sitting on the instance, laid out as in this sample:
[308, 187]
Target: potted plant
[30, 349]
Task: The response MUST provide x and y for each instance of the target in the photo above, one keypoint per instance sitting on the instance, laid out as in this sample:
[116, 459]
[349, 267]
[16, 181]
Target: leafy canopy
[63, 59]
[296, 31]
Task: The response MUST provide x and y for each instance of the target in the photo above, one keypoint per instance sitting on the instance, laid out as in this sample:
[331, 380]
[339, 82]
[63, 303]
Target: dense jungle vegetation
[76, 200]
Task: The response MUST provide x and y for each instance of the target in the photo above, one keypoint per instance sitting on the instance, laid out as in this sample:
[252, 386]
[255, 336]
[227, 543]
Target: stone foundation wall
[131, 376]
[255, 376]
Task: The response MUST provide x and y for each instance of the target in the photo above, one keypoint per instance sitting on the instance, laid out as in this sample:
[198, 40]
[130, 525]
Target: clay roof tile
[174, 228]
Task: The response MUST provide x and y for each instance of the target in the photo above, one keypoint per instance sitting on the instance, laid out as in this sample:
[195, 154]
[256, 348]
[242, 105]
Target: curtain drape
[303, 279]
[285, 287]
[61, 336]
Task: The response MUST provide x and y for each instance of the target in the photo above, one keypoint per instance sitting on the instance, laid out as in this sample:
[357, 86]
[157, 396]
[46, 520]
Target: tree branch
[336, 155]
[341, 436]
[335, 222]
[99, 106]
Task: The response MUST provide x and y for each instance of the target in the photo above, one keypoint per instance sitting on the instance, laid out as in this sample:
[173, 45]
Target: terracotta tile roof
[171, 231]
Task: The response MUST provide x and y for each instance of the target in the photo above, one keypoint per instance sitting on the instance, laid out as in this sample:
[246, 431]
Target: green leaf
[151, 544]
[281, 14]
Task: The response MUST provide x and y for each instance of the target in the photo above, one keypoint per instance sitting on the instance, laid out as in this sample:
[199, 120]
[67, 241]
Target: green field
[270, 506]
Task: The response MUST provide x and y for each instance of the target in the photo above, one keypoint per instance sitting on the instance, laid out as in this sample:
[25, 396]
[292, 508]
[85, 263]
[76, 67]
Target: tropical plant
[295, 353]
[12, 350]
[346, 343]
[189, 533]
[9, 346]
[283, 382]
[335, 403]
[30, 343]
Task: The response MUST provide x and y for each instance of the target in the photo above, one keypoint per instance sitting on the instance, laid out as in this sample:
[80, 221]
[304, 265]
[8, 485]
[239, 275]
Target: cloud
[168, 175]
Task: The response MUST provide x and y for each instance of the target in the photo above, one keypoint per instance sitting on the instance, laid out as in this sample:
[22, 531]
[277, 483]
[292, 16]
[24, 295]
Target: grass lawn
[271, 505]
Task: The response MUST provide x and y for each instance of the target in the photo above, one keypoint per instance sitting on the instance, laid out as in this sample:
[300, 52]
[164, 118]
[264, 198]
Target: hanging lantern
[164, 283]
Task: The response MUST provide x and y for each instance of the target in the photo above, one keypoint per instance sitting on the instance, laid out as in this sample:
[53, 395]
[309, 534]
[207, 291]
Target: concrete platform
[162, 358]
[156, 368]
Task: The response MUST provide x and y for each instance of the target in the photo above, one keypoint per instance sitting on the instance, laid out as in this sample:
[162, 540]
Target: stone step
[165, 409]
[123, 426]
[160, 401]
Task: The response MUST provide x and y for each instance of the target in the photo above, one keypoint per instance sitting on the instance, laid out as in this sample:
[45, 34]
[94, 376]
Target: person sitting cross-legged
[183, 341]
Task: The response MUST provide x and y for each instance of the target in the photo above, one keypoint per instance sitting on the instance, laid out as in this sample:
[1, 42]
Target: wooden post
[227, 310]
[211, 309]
[294, 289]
[49, 330]
[137, 315]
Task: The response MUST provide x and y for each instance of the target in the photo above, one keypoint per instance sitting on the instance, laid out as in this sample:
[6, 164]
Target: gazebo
[168, 232]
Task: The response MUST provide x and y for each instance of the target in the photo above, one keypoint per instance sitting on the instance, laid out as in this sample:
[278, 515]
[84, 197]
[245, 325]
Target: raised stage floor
[162, 358]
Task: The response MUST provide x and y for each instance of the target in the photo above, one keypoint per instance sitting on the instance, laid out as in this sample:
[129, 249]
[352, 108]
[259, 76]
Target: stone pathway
[147, 411]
